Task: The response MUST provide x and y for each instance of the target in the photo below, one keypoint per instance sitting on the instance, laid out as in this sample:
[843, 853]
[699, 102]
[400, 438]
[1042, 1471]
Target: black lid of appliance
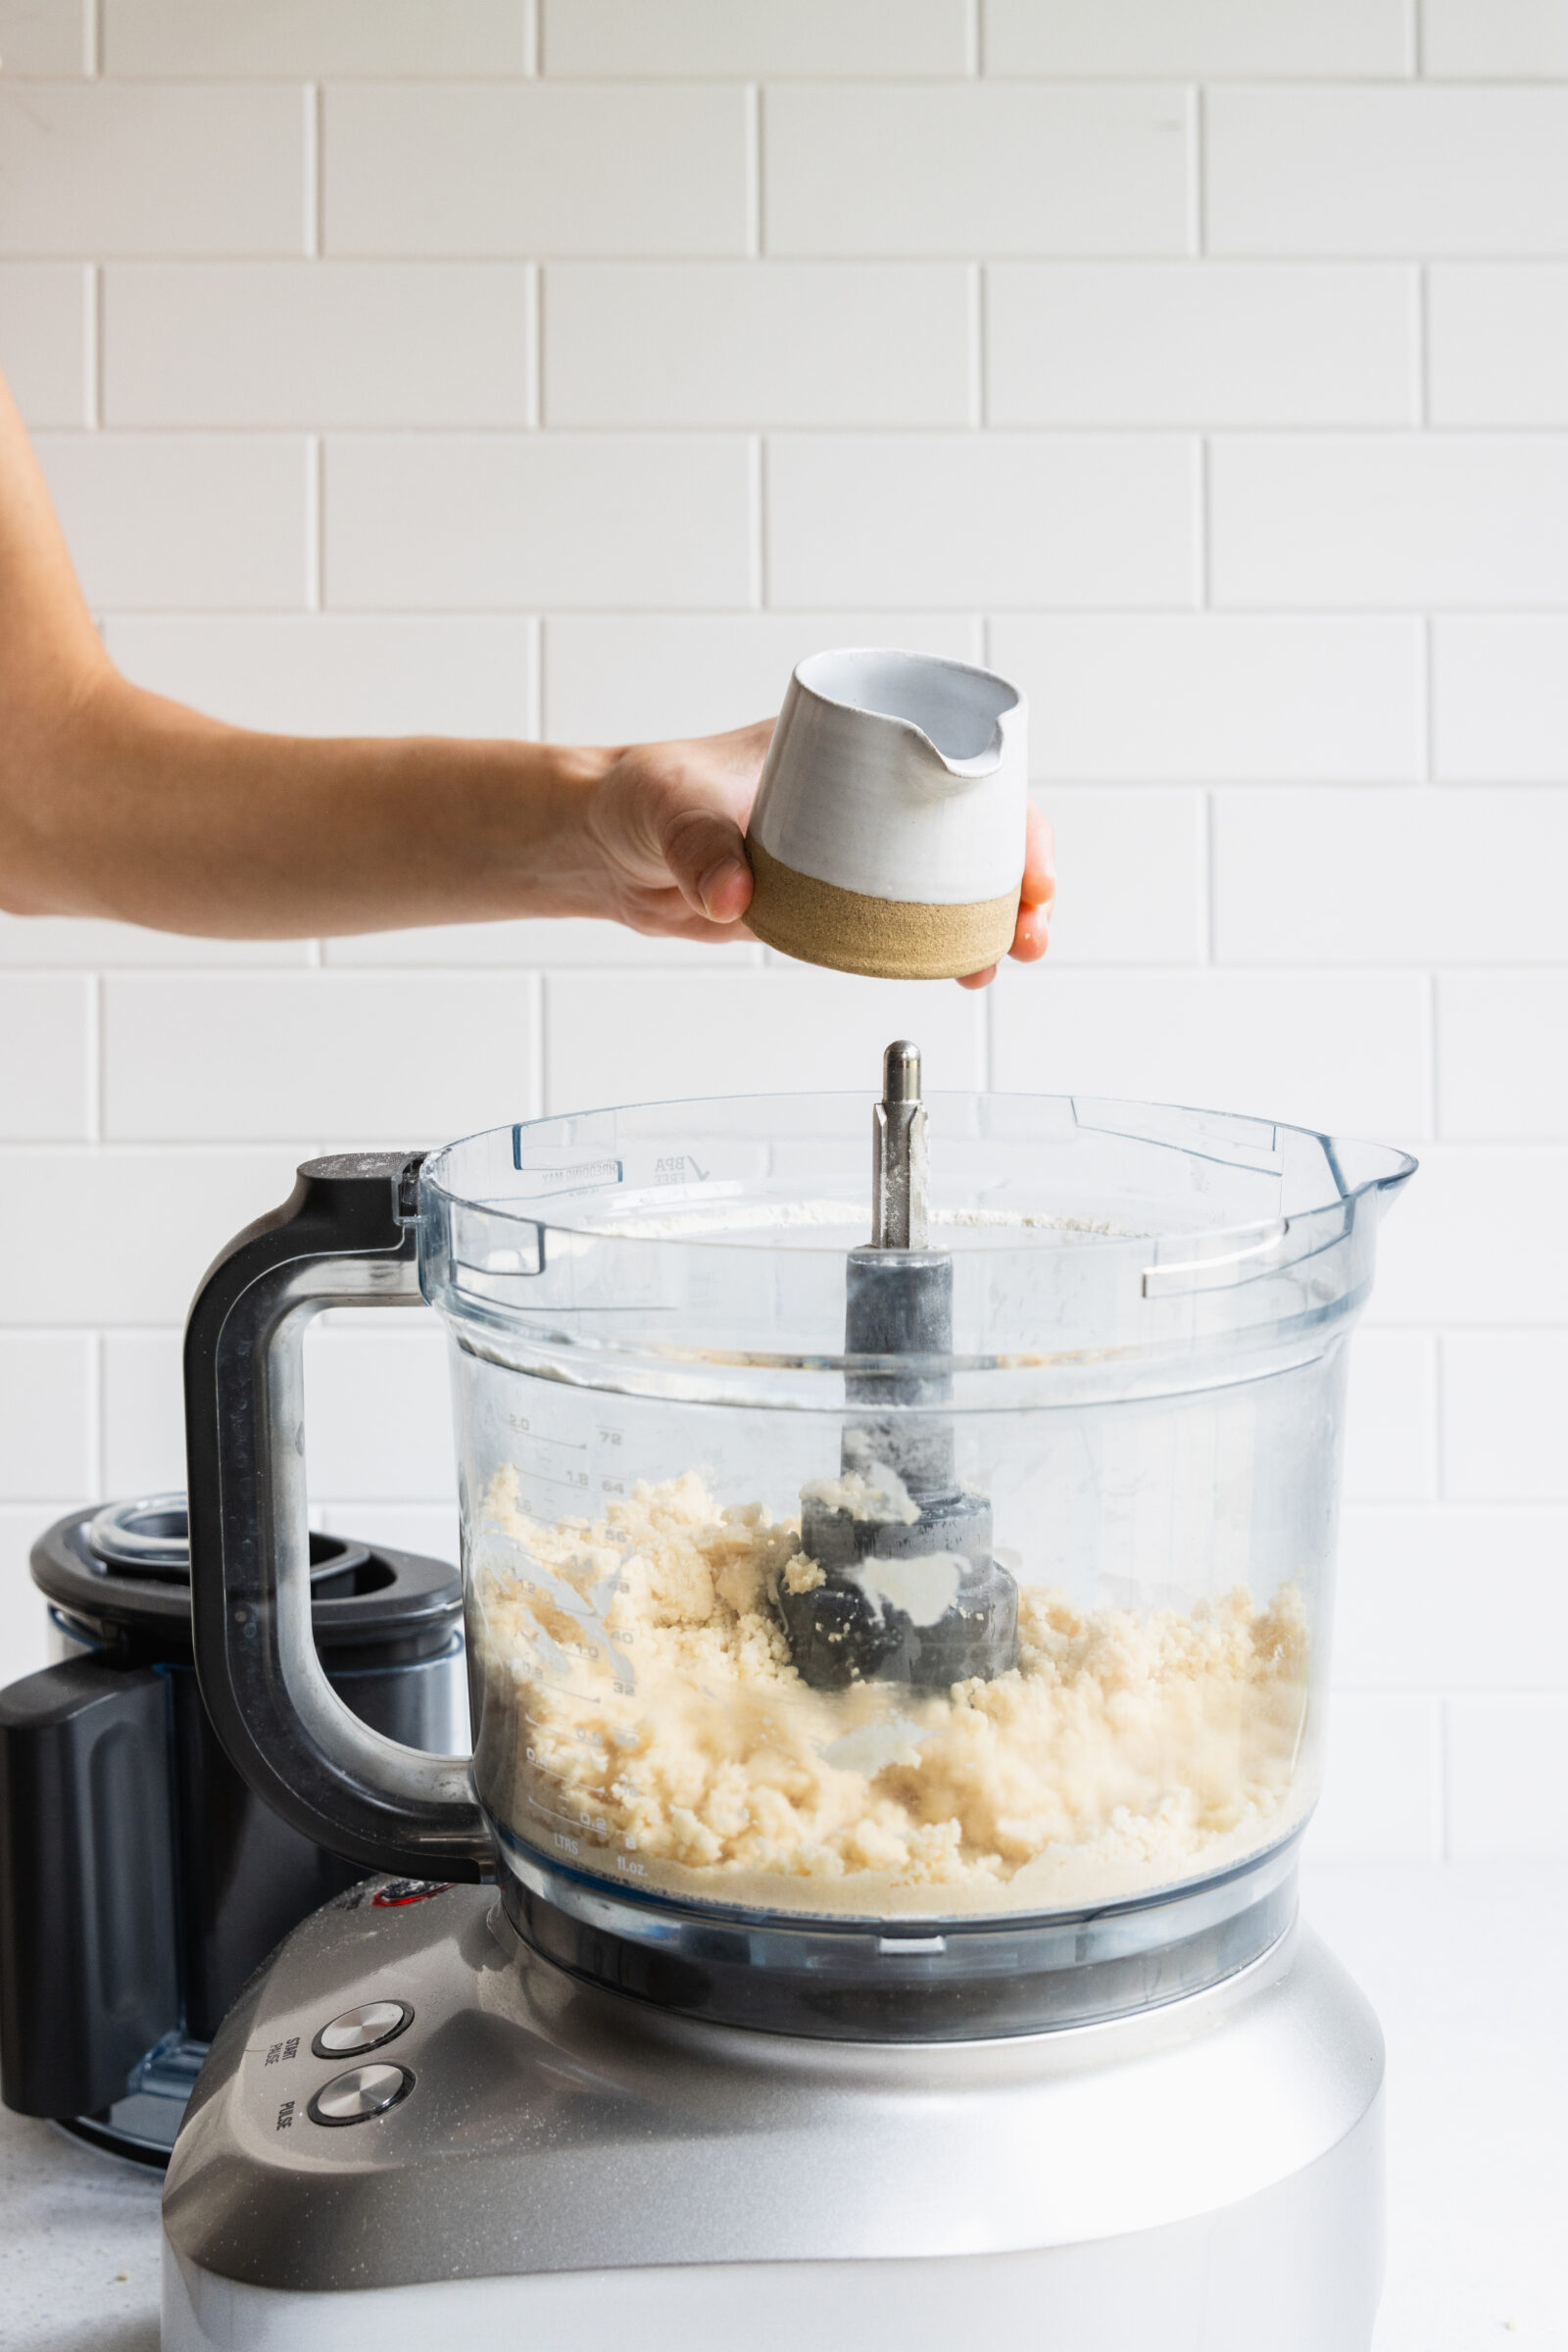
[129, 1564]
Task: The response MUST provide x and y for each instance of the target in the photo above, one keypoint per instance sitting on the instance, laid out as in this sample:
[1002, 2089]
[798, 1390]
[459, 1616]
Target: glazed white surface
[898, 775]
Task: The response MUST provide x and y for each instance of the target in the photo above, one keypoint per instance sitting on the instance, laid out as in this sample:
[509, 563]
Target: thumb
[705, 853]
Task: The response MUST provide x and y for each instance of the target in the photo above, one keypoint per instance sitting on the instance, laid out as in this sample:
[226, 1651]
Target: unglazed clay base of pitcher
[886, 939]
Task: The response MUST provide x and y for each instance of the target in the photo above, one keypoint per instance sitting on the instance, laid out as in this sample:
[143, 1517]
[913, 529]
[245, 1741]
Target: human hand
[1032, 934]
[667, 824]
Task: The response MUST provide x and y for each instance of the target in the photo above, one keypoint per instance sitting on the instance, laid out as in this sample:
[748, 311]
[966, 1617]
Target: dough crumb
[641, 1715]
[875, 1493]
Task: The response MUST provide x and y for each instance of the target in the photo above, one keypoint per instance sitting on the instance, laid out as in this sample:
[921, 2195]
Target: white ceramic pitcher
[888, 833]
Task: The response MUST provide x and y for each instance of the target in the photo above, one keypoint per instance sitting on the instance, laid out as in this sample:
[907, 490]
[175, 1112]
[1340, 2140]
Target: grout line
[757, 518]
[92, 38]
[754, 169]
[974, 40]
[531, 39]
[979, 389]
[1081, 428]
[1415, 38]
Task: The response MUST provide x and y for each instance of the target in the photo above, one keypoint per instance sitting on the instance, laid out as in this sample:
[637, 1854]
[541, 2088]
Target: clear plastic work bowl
[1146, 1385]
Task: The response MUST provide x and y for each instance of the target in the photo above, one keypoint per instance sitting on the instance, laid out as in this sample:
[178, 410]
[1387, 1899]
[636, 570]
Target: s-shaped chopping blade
[908, 1592]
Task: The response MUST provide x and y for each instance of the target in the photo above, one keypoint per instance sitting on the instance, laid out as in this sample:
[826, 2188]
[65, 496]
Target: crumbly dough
[641, 1718]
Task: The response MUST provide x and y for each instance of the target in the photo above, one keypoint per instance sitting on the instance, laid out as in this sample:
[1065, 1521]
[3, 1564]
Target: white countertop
[1463, 1962]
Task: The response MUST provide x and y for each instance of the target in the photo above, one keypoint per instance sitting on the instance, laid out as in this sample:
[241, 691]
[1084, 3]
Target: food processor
[898, 1553]
[141, 1882]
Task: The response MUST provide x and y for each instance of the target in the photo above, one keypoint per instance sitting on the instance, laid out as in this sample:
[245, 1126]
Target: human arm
[120, 804]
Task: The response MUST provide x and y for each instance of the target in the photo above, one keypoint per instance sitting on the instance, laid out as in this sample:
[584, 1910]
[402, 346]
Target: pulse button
[363, 2029]
[363, 2092]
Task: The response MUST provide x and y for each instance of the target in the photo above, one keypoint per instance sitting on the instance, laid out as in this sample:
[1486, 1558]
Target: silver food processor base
[516, 2149]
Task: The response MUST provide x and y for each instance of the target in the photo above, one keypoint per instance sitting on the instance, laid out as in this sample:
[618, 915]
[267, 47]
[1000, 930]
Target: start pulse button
[363, 2029]
[363, 2092]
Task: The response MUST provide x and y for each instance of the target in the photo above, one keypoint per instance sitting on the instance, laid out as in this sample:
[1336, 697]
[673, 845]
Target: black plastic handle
[346, 1237]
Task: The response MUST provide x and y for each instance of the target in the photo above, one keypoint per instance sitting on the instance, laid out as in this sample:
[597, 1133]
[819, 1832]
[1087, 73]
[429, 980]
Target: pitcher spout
[967, 719]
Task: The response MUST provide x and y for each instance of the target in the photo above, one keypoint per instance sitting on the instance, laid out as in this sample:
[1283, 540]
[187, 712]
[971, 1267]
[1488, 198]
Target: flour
[924, 1586]
[641, 1714]
[876, 1493]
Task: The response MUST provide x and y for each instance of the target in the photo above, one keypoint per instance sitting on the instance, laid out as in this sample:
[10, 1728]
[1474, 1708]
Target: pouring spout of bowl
[1378, 1168]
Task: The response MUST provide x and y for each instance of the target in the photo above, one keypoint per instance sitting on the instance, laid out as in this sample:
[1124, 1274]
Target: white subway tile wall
[1416, 171]
[47, 38]
[725, 344]
[45, 1049]
[534, 168]
[1510, 39]
[1499, 343]
[571, 369]
[338, 674]
[314, 343]
[1221, 698]
[974, 168]
[97, 168]
[43, 338]
[1390, 1451]
[167, 521]
[1481, 1235]
[207, 39]
[1208, 38]
[920, 520]
[666, 675]
[1437, 518]
[1239, 343]
[735, 38]
[574, 520]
